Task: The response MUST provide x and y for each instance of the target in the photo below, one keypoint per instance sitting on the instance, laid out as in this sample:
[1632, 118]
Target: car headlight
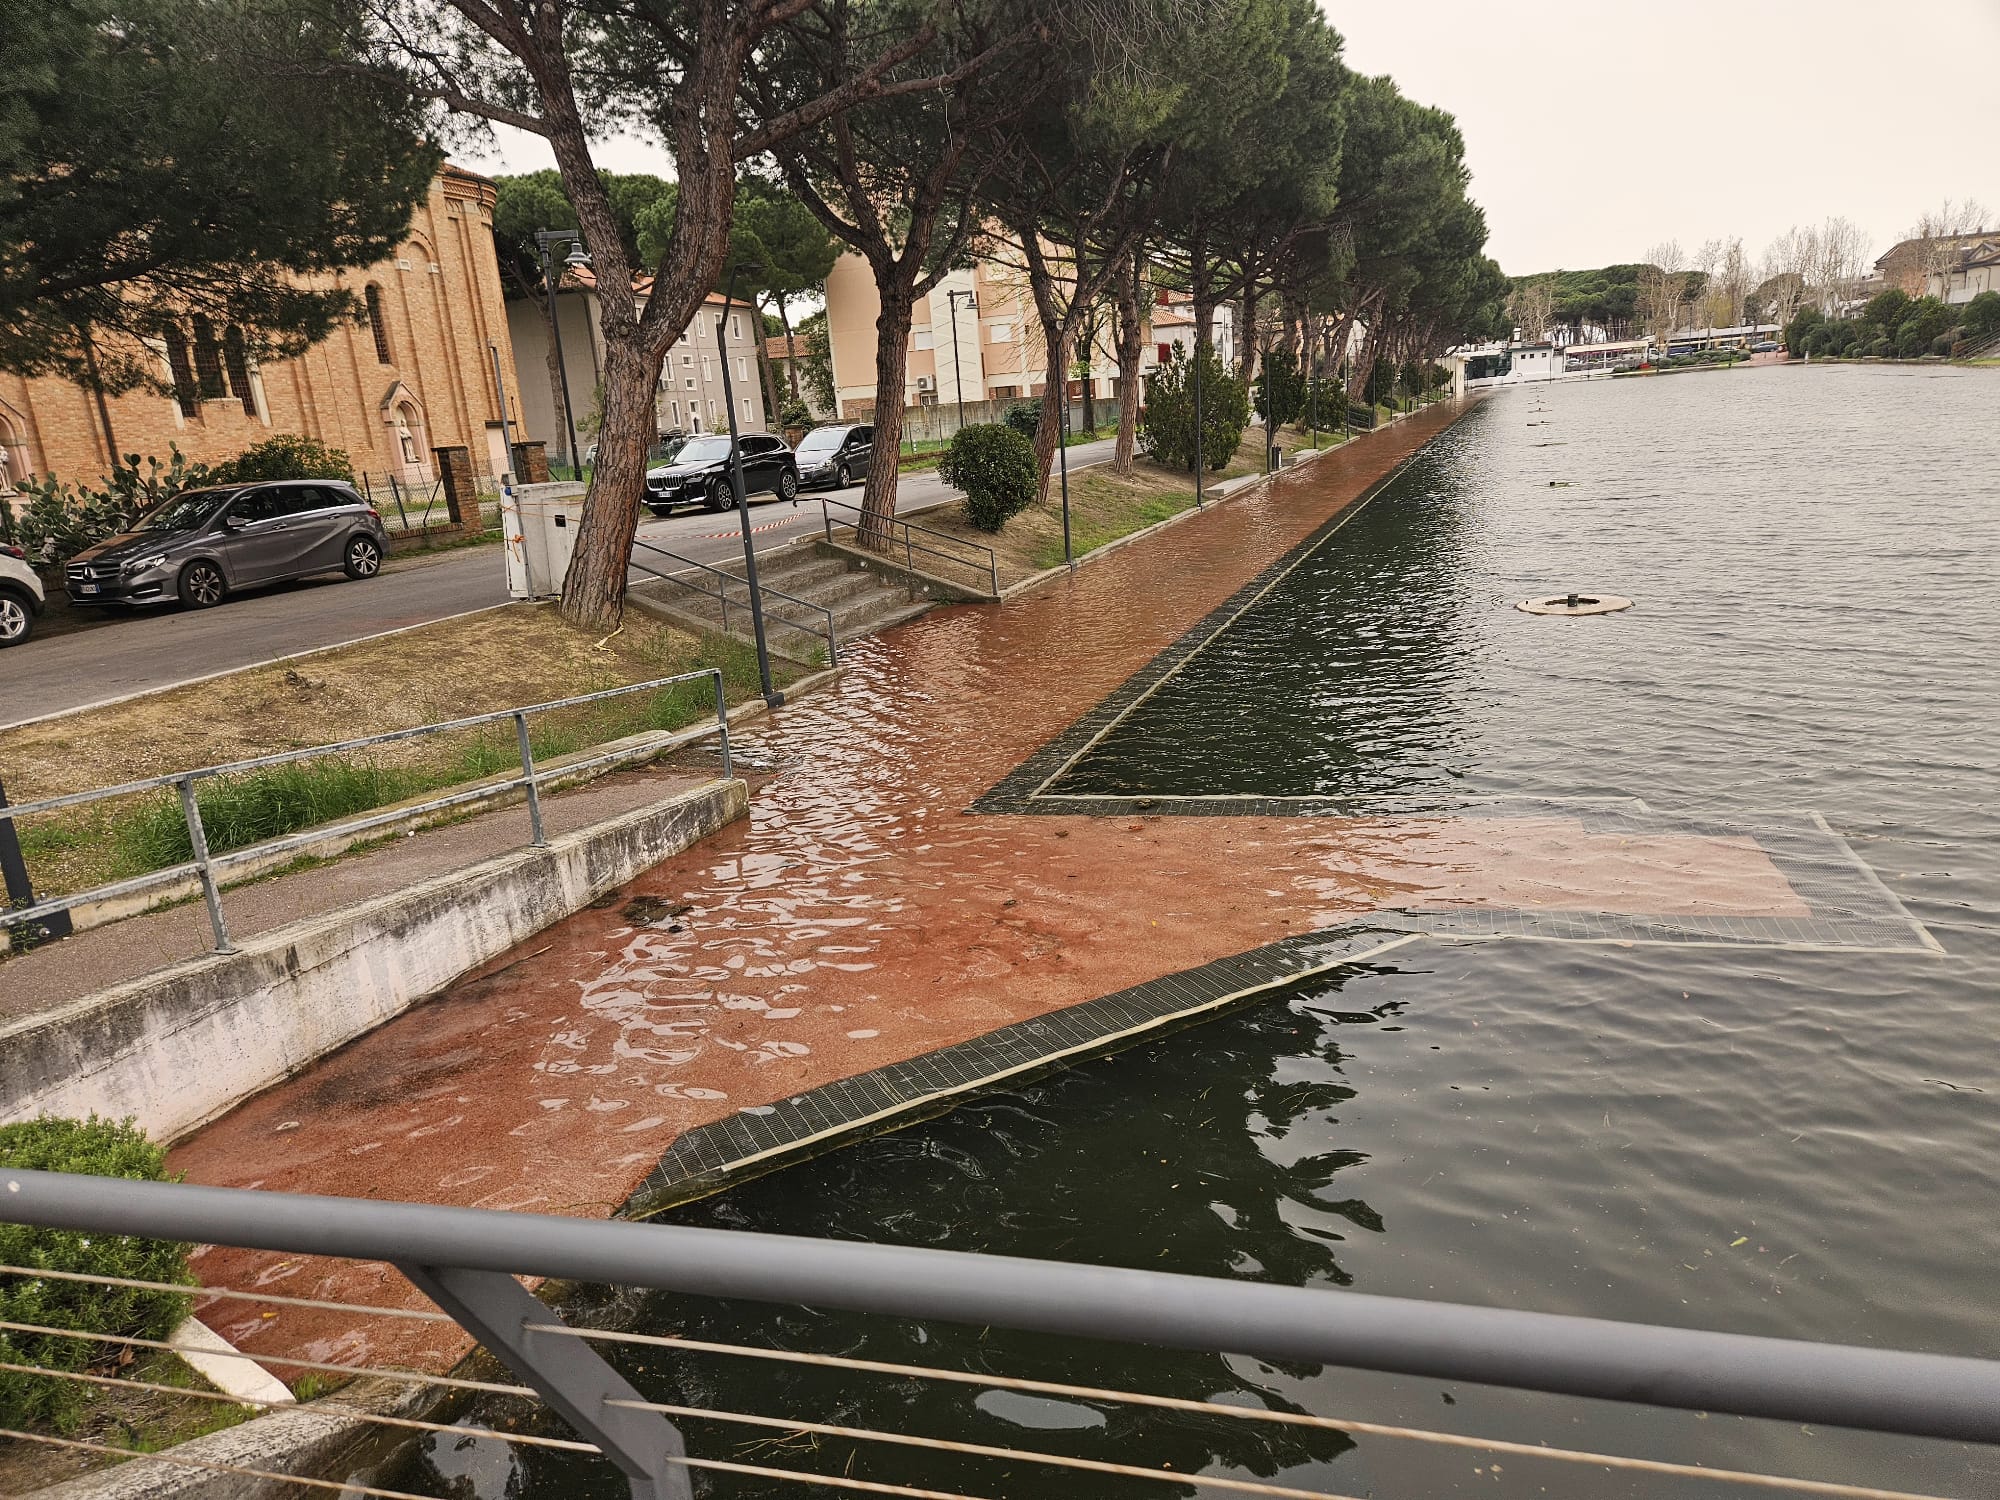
[145, 562]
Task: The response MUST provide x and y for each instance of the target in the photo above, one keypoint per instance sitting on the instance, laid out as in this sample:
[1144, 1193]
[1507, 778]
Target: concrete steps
[861, 601]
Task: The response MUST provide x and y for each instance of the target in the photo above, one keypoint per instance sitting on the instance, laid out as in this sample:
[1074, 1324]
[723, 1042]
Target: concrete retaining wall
[182, 1045]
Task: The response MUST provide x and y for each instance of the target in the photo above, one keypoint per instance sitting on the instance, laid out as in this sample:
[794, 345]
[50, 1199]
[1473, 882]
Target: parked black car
[699, 473]
[835, 456]
[204, 544]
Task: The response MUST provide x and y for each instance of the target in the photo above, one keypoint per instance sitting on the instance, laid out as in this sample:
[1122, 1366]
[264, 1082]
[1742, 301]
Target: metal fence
[466, 1261]
[687, 573]
[406, 507]
[940, 549]
[206, 865]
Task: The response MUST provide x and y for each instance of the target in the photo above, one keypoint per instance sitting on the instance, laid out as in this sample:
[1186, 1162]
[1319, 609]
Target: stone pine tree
[893, 179]
[532, 201]
[1083, 178]
[671, 70]
[170, 160]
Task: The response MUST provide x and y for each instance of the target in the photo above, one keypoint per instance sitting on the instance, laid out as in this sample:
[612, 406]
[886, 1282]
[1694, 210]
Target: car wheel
[363, 559]
[17, 619]
[201, 585]
[788, 484]
[718, 495]
[841, 478]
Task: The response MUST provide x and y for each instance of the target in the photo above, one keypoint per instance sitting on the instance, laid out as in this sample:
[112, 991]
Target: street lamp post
[1062, 451]
[772, 697]
[1197, 417]
[957, 364]
[545, 241]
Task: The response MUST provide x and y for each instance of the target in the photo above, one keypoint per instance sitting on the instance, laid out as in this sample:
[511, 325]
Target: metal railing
[466, 1261]
[971, 555]
[205, 865]
[720, 593]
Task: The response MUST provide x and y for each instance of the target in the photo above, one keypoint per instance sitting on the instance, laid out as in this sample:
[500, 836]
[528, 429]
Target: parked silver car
[205, 544]
[20, 595]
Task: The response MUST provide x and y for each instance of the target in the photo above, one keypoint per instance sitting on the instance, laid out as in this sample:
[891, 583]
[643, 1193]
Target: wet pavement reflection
[862, 916]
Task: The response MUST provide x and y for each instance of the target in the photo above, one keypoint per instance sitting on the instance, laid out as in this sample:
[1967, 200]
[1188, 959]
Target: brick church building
[417, 373]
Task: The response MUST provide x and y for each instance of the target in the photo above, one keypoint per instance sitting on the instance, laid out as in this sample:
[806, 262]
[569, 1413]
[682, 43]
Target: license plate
[86, 588]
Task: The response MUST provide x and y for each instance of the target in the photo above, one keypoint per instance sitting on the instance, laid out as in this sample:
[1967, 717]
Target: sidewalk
[56, 975]
[865, 915]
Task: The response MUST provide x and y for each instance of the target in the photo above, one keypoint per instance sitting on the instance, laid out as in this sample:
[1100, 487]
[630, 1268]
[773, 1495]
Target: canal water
[1760, 1140]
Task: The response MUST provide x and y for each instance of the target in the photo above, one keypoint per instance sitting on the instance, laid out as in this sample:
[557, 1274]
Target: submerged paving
[906, 913]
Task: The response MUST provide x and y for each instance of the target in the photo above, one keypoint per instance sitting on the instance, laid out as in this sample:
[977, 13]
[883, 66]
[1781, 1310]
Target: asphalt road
[157, 648]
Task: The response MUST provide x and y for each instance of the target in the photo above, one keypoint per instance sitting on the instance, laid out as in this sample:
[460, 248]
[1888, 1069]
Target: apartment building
[975, 336]
[690, 397]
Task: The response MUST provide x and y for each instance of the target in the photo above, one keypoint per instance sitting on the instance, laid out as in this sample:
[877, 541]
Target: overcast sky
[1877, 111]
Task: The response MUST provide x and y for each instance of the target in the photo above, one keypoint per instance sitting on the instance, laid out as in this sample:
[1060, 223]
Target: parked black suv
[699, 473]
[204, 544]
[836, 455]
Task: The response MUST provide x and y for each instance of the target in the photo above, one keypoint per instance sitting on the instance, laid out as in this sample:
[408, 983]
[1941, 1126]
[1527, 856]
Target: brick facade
[416, 375]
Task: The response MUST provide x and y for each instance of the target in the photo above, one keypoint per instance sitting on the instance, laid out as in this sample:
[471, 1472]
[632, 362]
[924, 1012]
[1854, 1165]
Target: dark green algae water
[1804, 1144]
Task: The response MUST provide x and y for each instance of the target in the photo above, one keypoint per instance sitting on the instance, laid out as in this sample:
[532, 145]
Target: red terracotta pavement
[860, 916]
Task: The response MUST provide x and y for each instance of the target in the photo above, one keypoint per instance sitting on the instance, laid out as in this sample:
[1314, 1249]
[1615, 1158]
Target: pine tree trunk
[791, 350]
[594, 591]
[1130, 330]
[771, 422]
[1246, 336]
[892, 359]
[1048, 431]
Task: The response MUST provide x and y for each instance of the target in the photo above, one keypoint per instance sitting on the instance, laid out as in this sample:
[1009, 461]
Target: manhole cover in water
[1574, 604]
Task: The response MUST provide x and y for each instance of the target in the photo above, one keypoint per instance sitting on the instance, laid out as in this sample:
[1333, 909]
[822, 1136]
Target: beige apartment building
[690, 397]
[975, 336]
[414, 374]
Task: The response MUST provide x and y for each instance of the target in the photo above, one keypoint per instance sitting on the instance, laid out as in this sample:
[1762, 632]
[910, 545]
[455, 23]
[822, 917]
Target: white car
[21, 596]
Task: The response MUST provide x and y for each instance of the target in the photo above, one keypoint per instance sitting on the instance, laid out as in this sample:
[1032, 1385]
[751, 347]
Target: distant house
[1953, 270]
[1173, 327]
[689, 398]
[1975, 268]
[780, 357]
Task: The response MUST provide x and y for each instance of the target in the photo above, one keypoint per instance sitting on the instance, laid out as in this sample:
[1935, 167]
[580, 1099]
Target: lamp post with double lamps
[545, 242]
[958, 364]
[772, 696]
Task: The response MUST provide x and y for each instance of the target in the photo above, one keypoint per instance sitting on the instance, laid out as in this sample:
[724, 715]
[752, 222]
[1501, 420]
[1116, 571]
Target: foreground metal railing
[720, 593]
[205, 865]
[970, 556]
[466, 1261]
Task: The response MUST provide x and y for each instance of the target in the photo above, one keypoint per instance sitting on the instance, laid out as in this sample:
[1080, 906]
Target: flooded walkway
[864, 916]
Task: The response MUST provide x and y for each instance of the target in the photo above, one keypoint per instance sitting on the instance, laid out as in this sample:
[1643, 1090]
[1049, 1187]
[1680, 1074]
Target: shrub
[61, 519]
[1326, 404]
[995, 466]
[101, 1148]
[1886, 309]
[1024, 417]
[1981, 316]
[793, 413]
[1381, 383]
[285, 457]
[1281, 388]
[1225, 412]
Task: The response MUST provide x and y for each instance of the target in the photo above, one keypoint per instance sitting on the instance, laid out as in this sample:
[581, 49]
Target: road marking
[723, 536]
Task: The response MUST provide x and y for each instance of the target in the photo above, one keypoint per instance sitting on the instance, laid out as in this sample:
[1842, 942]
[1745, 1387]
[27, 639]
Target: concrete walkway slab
[56, 974]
